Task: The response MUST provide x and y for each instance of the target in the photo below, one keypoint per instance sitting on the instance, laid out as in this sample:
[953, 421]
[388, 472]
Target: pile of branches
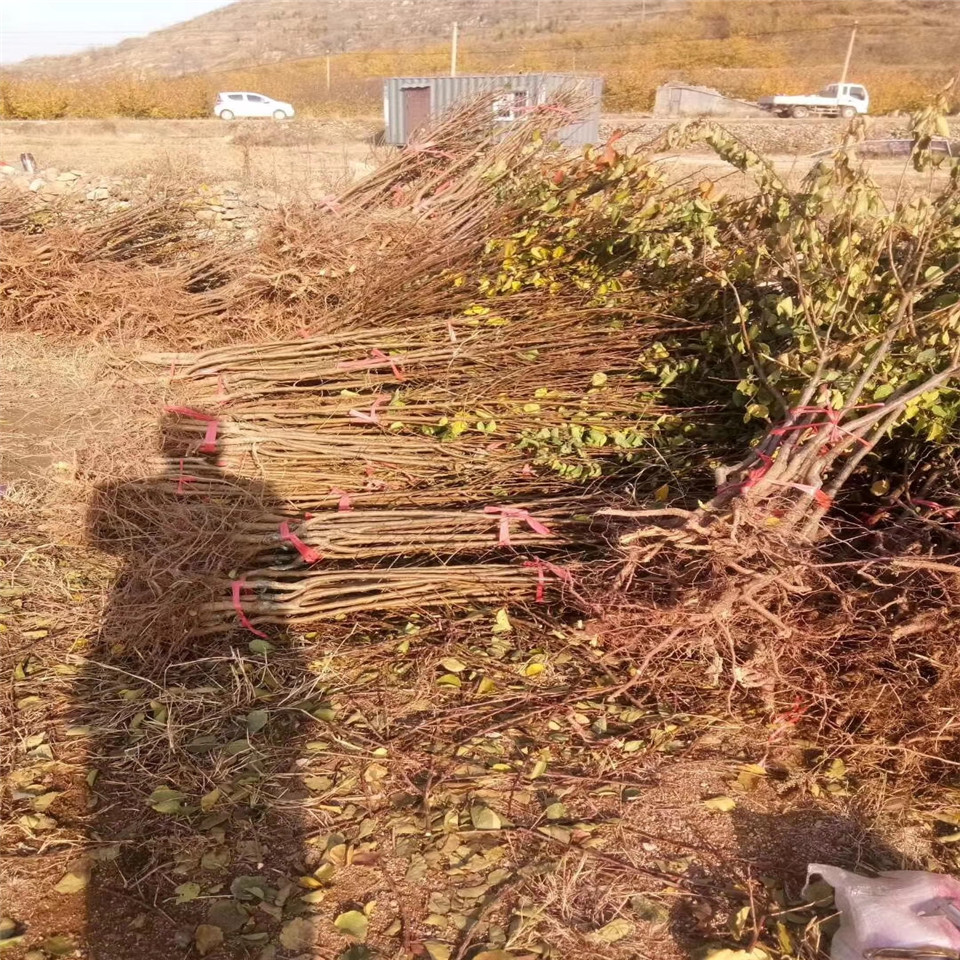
[492, 372]
[135, 274]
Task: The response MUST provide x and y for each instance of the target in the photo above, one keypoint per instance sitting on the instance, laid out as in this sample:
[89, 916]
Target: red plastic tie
[183, 479]
[821, 498]
[507, 514]
[331, 203]
[308, 553]
[344, 504]
[372, 416]
[377, 359]
[237, 587]
[542, 566]
[209, 444]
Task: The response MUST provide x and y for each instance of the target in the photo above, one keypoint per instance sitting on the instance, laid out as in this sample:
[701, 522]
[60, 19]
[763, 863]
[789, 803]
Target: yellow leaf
[533, 669]
[880, 488]
[720, 804]
[485, 685]
[501, 623]
[661, 493]
[539, 769]
[75, 879]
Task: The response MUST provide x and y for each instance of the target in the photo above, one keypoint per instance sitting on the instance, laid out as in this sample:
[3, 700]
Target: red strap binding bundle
[515, 513]
[308, 553]
[541, 566]
[237, 587]
[209, 444]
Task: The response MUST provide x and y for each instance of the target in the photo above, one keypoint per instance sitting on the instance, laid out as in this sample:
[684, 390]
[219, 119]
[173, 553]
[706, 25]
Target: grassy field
[493, 721]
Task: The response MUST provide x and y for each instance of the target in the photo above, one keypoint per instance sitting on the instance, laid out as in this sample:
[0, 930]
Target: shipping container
[409, 103]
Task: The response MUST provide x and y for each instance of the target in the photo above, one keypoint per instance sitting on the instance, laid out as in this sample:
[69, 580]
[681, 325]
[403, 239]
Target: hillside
[329, 56]
[267, 31]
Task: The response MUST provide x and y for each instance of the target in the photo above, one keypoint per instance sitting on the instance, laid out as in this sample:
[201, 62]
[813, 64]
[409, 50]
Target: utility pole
[453, 50]
[539, 3]
[328, 73]
[643, 11]
[846, 62]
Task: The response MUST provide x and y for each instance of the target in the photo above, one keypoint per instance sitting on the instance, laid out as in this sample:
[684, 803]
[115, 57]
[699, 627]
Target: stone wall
[228, 209]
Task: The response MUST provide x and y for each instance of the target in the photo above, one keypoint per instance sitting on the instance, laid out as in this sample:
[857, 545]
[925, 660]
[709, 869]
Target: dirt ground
[282, 157]
[291, 158]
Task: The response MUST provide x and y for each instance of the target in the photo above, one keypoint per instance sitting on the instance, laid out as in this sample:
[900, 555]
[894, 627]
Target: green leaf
[598, 380]
[249, 888]
[257, 720]
[453, 665]
[166, 800]
[613, 931]
[353, 923]
[484, 818]
[437, 950]
[260, 646]
[187, 892]
[207, 937]
[883, 391]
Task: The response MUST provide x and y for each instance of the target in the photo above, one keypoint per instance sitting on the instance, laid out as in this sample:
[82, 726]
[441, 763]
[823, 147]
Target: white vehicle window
[235, 96]
[858, 92]
[255, 99]
[830, 91]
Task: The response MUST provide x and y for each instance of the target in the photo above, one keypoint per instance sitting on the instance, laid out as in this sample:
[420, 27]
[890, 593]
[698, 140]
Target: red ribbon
[183, 479]
[377, 359]
[372, 416]
[308, 553]
[331, 203]
[561, 573]
[515, 513]
[833, 418]
[209, 444]
[344, 505]
[810, 490]
[236, 587]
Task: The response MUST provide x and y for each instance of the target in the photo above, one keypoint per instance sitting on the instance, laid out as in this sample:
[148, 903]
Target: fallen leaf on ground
[59, 945]
[75, 879]
[613, 931]
[484, 818]
[720, 804]
[297, 934]
[207, 937]
[352, 924]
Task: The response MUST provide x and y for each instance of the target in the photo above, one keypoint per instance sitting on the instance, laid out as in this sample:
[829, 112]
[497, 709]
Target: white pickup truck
[837, 100]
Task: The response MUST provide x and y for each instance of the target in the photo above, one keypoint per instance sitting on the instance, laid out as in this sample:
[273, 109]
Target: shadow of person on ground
[194, 738]
[774, 852]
